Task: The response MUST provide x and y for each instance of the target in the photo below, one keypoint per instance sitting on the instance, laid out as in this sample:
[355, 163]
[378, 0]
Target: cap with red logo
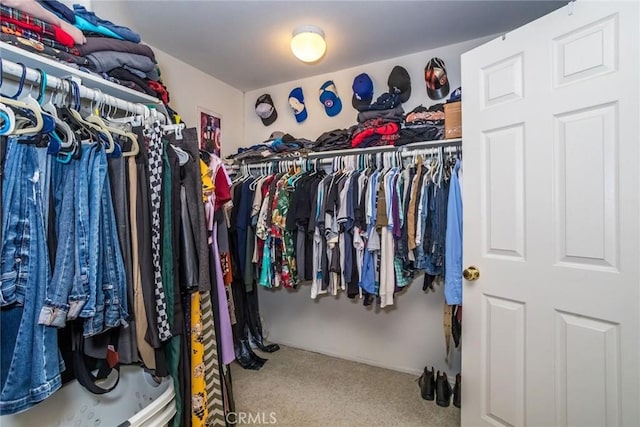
[329, 98]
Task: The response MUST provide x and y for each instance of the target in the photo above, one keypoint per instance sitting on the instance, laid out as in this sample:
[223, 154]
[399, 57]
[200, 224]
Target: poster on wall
[210, 128]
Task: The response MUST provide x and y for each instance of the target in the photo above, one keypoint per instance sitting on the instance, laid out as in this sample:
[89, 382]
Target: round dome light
[307, 43]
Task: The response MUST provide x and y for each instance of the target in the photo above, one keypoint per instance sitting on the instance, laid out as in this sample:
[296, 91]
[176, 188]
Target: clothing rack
[456, 142]
[327, 157]
[15, 70]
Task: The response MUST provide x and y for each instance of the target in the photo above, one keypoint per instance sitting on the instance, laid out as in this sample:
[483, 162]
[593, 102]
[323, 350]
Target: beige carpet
[305, 389]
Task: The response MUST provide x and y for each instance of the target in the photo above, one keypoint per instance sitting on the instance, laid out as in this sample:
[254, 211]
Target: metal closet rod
[326, 157]
[32, 75]
[387, 148]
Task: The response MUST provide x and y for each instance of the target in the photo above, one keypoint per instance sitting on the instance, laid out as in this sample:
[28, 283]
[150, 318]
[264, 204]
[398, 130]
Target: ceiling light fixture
[307, 43]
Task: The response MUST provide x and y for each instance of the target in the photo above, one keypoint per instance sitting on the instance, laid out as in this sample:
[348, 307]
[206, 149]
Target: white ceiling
[246, 43]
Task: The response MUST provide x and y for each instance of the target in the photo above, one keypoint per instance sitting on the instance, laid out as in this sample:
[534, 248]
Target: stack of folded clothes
[422, 124]
[337, 139]
[279, 143]
[125, 62]
[378, 123]
[84, 40]
[28, 25]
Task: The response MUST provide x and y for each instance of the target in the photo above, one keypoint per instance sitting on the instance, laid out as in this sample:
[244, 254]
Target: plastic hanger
[23, 77]
[101, 132]
[63, 130]
[31, 105]
[135, 148]
[95, 119]
[183, 156]
[177, 128]
[134, 120]
[9, 120]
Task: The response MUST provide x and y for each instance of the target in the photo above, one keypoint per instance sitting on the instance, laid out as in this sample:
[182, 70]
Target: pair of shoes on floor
[437, 387]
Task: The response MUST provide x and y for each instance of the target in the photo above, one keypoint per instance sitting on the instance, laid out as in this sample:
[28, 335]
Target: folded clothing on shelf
[434, 115]
[12, 29]
[375, 132]
[37, 47]
[395, 114]
[336, 139]
[107, 60]
[103, 26]
[59, 9]
[98, 44]
[28, 22]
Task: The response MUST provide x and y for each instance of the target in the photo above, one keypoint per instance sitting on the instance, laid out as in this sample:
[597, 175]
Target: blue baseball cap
[296, 101]
[362, 91]
[456, 95]
[329, 98]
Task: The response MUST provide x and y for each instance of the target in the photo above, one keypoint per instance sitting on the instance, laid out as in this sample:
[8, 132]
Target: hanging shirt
[453, 242]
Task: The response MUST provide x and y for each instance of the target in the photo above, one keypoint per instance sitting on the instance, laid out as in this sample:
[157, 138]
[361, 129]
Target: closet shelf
[60, 70]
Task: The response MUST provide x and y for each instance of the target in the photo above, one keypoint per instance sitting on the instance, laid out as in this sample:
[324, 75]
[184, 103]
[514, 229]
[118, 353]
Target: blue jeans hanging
[30, 363]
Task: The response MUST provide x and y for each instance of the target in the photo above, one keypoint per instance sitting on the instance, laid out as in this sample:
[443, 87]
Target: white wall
[407, 336]
[318, 122]
[189, 88]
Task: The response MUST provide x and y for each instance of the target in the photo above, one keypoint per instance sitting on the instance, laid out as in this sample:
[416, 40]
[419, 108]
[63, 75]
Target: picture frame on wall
[210, 130]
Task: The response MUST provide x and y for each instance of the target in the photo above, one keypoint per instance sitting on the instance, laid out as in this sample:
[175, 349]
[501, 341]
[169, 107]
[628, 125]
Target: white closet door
[551, 328]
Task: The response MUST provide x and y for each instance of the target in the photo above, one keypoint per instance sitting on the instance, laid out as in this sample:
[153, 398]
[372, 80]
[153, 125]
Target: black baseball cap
[266, 110]
[435, 75]
[400, 83]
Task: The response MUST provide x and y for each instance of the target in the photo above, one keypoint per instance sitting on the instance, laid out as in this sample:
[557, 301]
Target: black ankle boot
[457, 391]
[443, 390]
[427, 383]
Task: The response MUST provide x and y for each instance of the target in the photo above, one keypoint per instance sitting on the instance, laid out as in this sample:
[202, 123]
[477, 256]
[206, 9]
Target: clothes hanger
[9, 120]
[32, 106]
[177, 128]
[96, 117]
[62, 129]
[103, 134]
[29, 104]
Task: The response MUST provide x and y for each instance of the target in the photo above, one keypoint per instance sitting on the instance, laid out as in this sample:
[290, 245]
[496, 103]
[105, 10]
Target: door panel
[503, 187]
[551, 218]
[586, 188]
[503, 357]
[596, 370]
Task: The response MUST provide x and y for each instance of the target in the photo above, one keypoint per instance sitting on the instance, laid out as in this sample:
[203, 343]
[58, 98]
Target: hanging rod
[15, 70]
[325, 157]
[454, 142]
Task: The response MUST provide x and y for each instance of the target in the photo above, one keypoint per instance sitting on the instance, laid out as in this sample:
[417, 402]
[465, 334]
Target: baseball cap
[455, 95]
[266, 110]
[400, 83]
[296, 101]
[362, 91]
[435, 74]
[329, 98]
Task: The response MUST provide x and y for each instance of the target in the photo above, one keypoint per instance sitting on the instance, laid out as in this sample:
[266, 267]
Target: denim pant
[65, 295]
[30, 362]
[89, 278]
[107, 297]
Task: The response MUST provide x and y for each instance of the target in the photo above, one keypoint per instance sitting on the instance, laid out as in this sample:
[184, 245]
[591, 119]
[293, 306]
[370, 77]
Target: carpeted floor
[305, 389]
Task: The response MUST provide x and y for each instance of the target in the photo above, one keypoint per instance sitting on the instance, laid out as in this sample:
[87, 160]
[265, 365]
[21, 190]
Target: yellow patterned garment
[207, 182]
[199, 410]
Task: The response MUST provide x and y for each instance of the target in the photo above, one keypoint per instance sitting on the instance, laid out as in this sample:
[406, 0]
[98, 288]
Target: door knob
[471, 273]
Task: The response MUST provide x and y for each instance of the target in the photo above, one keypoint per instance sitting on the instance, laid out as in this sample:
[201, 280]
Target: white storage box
[137, 401]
